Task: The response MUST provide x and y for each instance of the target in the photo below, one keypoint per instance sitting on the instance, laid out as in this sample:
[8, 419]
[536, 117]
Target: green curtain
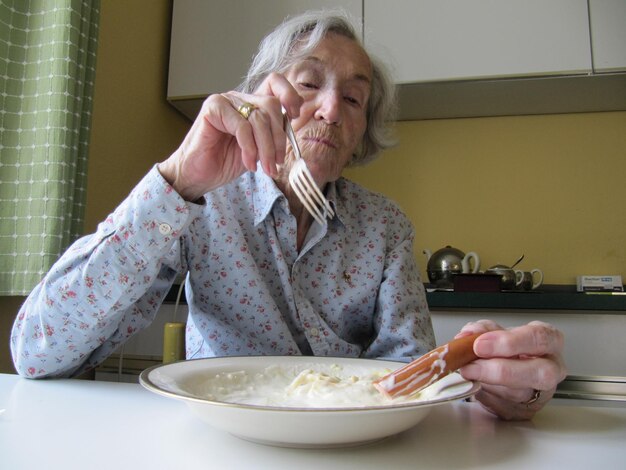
[47, 70]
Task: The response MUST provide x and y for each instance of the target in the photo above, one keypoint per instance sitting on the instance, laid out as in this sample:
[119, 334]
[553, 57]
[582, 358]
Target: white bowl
[328, 426]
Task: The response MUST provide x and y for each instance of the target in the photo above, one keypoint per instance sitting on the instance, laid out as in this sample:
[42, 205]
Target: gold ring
[534, 398]
[246, 109]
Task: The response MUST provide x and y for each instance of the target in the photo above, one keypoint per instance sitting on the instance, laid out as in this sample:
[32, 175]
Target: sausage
[429, 368]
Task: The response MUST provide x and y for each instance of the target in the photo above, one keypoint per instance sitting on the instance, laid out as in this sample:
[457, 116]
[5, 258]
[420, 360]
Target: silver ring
[246, 109]
[535, 397]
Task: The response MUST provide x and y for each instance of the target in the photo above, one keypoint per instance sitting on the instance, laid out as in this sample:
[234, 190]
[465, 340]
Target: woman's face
[335, 81]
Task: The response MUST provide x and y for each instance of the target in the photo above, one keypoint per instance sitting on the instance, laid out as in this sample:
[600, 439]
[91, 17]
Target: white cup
[528, 280]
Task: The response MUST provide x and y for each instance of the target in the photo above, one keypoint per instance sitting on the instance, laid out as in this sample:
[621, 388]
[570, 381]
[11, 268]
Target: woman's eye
[308, 85]
[352, 100]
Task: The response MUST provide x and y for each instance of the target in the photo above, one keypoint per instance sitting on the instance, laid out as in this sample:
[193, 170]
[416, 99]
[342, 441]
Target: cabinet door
[213, 42]
[432, 40]
[608, 34]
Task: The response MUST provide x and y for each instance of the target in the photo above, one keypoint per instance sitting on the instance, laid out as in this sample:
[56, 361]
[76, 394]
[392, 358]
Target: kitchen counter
[76, 424]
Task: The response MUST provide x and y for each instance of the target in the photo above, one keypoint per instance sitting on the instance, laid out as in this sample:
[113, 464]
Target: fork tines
[309, 194]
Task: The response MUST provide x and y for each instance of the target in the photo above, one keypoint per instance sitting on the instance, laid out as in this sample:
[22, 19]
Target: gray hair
[295, 38]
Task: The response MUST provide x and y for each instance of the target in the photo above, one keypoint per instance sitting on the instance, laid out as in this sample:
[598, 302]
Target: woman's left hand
[519, 368]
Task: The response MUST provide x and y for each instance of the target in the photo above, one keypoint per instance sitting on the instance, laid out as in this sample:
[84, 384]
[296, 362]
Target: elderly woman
[263, 277]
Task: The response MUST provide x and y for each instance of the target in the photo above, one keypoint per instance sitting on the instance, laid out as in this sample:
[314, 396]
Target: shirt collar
[264, 194]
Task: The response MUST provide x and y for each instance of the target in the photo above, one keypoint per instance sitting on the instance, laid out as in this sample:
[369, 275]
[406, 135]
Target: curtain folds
[47, 70]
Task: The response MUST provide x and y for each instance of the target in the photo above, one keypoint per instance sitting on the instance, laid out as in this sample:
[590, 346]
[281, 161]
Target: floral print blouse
[352, 290]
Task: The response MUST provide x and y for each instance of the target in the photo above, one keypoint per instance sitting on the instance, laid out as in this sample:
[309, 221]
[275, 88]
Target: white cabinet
[447, 55]
[608, 34]
[435, 40]
[213, 42]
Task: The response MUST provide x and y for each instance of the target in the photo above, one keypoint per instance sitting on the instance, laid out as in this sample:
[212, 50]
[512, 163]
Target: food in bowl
[299, 386]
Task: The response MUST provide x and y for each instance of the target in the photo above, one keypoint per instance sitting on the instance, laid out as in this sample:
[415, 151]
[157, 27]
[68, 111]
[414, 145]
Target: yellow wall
[133, 126]
[8, 309]
[549, 187]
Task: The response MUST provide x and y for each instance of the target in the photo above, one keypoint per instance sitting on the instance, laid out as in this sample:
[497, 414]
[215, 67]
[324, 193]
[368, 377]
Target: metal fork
[303, 183]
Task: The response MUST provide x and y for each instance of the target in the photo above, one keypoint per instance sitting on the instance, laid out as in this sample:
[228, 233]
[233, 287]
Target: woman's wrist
[171, 174]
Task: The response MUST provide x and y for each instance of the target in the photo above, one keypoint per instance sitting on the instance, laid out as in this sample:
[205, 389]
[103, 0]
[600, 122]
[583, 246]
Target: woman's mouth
[322, 141]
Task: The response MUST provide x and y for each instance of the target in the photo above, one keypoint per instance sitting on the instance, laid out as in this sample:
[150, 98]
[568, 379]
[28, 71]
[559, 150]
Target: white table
[75, 424]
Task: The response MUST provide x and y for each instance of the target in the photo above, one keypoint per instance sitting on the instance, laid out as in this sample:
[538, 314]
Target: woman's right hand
[222, 144]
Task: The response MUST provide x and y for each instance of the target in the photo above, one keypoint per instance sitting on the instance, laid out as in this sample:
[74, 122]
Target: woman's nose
[329, 107]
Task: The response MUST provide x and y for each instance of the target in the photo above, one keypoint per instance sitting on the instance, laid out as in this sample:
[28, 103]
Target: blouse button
[314, 332]
[165, 229]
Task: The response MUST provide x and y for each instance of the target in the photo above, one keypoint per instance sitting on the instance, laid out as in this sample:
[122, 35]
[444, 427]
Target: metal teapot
[509, 279]
[445, 262]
